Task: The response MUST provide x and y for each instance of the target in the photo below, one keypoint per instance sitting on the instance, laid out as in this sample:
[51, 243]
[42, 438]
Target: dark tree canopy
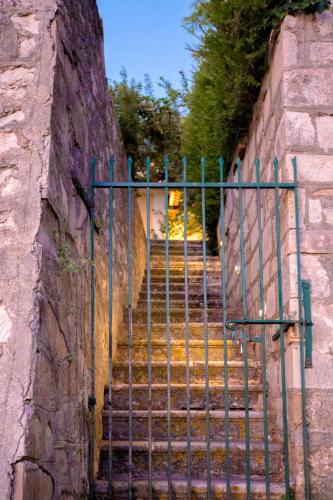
[231, 54]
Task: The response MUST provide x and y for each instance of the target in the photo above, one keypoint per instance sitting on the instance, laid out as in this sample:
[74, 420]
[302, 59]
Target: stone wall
[55, 114]
[293, 117]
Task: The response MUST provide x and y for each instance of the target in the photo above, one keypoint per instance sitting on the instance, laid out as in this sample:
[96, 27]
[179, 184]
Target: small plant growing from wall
[65, 258]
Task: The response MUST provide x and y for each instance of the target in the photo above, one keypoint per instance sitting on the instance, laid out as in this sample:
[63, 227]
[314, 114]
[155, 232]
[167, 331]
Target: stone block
[323, 26]
[313, 241]
[31, 482]
[27, 47]
[27, 22]
[290, 48]
[325, 132]
[17, 116]
[321, 52]
[271, 301]
[299, 129]
[277, 68]
[314, 270]
[8, 40]
[321, 465]
[293, 375]
[315, 211]
[9, 183]
[8, 141]
[308, 87]
[328, 214]
[314, 168]
[15, 80]
[5, 325]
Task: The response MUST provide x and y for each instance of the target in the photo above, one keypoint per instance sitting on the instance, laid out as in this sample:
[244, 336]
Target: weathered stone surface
[8, 39]
[302, 127]
[325, 132]
[299, 130]
[5, 325]
[308, 87]
[30, 481]
[315, 211]
[321, 52]
[55, 114]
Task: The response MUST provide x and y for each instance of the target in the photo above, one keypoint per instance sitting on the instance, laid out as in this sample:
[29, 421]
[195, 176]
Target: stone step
[178, 372]
[177, 252]
[177, 331]
[179, 303]
[176, 315]
[120, 395]
[120, 421]
[175, 243]
[198, 489]
[190, 258]
[179, 296]
[175, 248]
[179, 458]
[178, 350]
[195, 286]
[178, 271]
[177, 307]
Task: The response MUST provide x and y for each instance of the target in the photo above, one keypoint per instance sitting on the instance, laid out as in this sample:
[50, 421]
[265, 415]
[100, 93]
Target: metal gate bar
[150, 439]
[225, 338]
[205, 318]
[263, 348]
[244, 342]
[169, 472]
[92, 400]
[282, 353]
[187, 335]
[228, 324]
[301, 333]
[110, 409]
[130, 334]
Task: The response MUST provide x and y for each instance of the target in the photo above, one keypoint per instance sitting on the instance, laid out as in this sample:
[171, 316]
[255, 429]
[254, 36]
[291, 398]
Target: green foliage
[65, 259]
[150, 126]
[231, 54]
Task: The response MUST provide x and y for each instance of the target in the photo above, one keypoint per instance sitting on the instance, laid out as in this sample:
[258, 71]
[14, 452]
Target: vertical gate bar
[111, 167]
[169, 472]
[263, 333]
[188, 391]
[307, 490]
[282, 343]
[91, 402]
[244, 307]
[150, 485]
[207, 394]
[225, 338]
[130, 333]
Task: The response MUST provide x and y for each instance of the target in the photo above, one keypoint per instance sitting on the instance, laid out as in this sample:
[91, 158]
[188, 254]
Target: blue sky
[146, 36]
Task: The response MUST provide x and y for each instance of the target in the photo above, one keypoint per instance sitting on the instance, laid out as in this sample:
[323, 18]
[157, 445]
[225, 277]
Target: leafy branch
[65, 259]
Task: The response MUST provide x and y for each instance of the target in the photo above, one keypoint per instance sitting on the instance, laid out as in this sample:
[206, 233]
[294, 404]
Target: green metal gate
[234, 331]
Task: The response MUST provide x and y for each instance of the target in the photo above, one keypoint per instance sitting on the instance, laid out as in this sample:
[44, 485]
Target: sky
[146, 37]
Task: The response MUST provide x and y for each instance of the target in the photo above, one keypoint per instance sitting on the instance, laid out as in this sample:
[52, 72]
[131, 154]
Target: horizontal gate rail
[244, 322]
[195, 185]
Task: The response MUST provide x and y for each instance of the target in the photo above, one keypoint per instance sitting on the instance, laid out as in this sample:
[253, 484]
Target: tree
[231, 54]
[150, 126]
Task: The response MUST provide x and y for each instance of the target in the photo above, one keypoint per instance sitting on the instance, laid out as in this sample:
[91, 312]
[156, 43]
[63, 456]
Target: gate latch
[306, 288]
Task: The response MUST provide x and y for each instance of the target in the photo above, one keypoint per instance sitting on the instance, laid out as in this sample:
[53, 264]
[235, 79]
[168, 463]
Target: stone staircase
[120, 414]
